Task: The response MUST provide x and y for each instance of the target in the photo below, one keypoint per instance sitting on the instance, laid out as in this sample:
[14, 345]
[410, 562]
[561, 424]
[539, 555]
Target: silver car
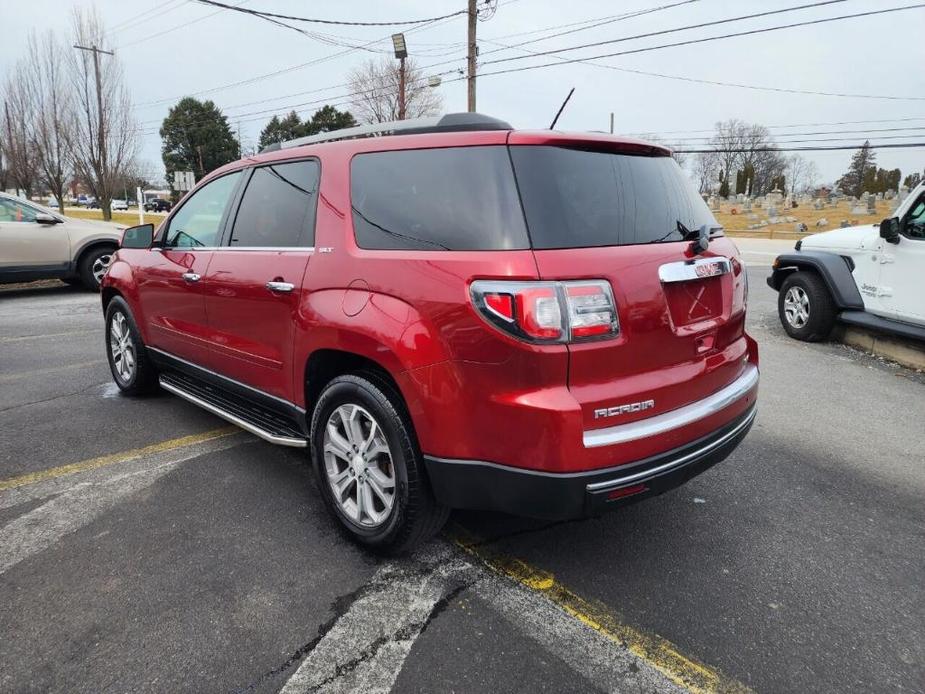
[37, 243]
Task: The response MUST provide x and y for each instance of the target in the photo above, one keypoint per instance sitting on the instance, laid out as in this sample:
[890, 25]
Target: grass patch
[738, 223]
[129, 219]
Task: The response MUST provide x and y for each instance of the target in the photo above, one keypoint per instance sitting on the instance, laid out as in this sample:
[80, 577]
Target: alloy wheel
[122, 347]
[796, 306]
[359, 465]
[100, 265]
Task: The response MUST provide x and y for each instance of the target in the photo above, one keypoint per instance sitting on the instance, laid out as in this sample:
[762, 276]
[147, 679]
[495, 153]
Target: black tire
[820, 311]
[73, 281]
[143, 376]
[87, 262]
[415, 515]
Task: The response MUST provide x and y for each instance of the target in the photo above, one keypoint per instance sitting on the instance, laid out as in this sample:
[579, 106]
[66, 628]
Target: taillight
[548, 311]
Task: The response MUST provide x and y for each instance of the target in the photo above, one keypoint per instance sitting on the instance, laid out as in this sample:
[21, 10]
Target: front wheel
[805, 307]
[368, 467]
[132, 368]
[93, 265]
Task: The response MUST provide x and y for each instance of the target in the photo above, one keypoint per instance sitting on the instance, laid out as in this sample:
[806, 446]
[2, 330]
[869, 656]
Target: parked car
[869, 276]
[119, 205]
[38, 243]
[158, 205]
[439, 336]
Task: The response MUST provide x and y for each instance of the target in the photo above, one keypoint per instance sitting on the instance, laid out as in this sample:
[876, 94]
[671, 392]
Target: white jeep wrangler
[872, 276]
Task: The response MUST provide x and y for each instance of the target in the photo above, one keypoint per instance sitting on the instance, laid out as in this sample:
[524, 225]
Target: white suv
[870, 276]
[37, 243]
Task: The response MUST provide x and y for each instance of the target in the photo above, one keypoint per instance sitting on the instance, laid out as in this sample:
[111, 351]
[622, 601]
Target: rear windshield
[458, 199]
[577, 199]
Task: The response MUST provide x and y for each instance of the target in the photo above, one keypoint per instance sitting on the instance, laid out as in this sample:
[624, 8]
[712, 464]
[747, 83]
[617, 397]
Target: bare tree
[801, 174]
[18, 116]
[374, 88]
[53, 117]
[706, 171]
[104, 139]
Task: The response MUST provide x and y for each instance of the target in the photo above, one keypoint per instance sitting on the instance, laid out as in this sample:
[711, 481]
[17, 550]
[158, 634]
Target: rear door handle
[280, 287]
[191, 277]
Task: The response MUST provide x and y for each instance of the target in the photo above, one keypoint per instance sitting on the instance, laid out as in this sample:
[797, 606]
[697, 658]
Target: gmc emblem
[624, 409]
[708, 269]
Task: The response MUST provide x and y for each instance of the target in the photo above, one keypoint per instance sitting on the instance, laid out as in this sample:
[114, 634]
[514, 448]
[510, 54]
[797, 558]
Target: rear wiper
[686, 234]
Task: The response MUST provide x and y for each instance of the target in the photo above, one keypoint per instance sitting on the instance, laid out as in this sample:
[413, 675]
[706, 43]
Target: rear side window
[579, 199]
[278, 206]
[459, 198]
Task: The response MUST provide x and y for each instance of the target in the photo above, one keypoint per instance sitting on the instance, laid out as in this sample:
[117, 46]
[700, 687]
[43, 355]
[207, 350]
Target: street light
[401, 52]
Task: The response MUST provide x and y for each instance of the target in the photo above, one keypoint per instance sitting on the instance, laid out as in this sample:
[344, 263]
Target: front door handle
[191, 277]
[280, 287]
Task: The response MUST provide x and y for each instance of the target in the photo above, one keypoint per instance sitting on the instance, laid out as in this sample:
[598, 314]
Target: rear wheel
[805, 307]
[368, 467]
[93, 265]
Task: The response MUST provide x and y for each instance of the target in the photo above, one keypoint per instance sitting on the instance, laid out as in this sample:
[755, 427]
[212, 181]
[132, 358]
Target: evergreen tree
[196, 137]
[862, 161]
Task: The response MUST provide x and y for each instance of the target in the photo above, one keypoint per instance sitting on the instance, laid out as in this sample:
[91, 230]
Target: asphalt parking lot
[146, 546]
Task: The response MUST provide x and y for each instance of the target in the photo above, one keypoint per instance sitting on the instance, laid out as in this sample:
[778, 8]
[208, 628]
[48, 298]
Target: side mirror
[141, 236]
[42, 218]
[889, 230]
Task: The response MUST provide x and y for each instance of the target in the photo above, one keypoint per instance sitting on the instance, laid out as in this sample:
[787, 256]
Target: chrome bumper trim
[618, 482]
[237, 421]
[680, 417]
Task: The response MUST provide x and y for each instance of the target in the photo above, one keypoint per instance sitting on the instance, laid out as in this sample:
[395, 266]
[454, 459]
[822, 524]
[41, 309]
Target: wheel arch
[92, 245]
[833, 269]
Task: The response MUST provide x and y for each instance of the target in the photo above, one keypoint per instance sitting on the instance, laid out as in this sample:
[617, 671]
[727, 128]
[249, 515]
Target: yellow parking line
[660, 653]
[51, 369]
[114, 458]
[22, 338]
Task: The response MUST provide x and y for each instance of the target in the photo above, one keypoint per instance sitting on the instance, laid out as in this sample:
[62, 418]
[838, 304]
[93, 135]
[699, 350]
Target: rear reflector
[548, 311]
[627, 491]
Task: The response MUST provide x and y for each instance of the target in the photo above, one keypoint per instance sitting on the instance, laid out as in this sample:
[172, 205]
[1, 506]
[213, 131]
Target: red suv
[449, 313]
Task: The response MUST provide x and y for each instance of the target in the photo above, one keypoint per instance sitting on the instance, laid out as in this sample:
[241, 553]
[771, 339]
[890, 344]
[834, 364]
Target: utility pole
[202, 169]
[101, 126]
[401, 89]
[473, 52]
[401, 52]
[611, 122]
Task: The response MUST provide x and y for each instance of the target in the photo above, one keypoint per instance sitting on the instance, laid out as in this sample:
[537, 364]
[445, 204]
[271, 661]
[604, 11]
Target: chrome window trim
[686, 270]
[274, 249]
[659, 424]
[679, 462]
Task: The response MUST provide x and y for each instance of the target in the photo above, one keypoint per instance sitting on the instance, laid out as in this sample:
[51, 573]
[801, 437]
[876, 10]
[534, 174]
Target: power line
[329, 21]
[159, 10]
[796, 125]
[696, 41]
[662, 32]
[173, 28]
[818, 132]
[286, 70]
[895, 145]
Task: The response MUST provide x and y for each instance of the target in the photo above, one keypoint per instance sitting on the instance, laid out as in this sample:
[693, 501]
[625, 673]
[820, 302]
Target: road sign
[183, 180]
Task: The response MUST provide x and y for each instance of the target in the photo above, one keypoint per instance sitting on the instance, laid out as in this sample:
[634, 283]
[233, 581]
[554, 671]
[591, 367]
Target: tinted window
[198, 222]
[461, 198]
[576, 198]
[278, 207]
[12, 211]
[914, 226]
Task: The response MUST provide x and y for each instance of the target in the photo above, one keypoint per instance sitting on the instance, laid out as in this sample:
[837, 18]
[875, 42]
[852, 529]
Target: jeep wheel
[368, 467]
[805, 306]
[131, 367]
[93, 266]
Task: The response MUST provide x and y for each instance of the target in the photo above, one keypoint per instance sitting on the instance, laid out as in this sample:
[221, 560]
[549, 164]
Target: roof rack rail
[451, 122]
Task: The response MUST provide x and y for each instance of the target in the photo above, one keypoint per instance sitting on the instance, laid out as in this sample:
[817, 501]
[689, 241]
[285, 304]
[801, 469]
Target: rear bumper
[488, 486]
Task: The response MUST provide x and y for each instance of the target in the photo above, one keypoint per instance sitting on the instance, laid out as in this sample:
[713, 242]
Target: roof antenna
[561, 108]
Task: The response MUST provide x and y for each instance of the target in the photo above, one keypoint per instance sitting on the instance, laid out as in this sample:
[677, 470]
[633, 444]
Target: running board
[257, 420]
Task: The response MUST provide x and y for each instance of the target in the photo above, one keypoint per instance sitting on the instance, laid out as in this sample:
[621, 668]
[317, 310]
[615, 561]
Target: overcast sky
[182, 47]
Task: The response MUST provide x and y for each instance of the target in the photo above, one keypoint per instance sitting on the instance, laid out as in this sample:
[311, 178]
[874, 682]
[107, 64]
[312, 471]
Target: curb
[905, 352]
